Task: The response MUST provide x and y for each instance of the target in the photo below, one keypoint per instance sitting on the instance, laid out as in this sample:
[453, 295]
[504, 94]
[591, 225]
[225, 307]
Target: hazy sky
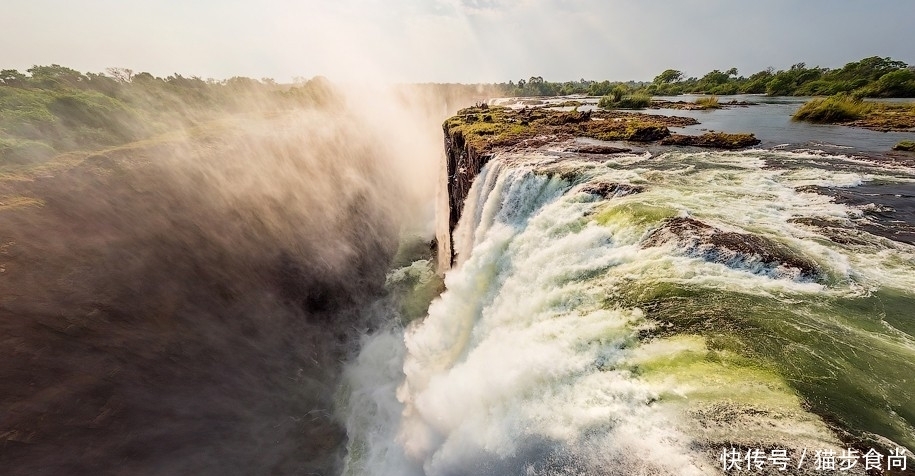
[451, 40]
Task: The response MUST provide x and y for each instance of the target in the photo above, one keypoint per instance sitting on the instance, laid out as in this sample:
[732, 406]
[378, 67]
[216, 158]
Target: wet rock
[736, 250]
[611, 190]
[716, 140]
[600, 149]
[889, 208]
[834, 230]
[648, 133]
[906, 145]
[571, 117]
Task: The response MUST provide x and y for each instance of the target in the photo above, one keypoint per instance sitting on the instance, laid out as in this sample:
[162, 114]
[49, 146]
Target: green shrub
[708, 102]
[635, 101]
[629, 101]
[840, 108]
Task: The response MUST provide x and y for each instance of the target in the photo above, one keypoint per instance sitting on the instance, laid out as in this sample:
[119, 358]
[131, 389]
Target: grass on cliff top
[486, 127]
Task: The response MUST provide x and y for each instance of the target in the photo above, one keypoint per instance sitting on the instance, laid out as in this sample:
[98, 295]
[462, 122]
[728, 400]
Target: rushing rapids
[642, 313]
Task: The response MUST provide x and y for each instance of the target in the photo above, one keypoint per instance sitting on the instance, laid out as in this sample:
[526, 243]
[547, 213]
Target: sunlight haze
[450, 40]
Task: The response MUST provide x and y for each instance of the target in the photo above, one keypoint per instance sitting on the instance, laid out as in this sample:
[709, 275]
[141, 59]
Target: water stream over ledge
[566, 343]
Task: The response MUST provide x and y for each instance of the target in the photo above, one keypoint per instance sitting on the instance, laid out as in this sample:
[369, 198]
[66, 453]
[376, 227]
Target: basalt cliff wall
[463, 163]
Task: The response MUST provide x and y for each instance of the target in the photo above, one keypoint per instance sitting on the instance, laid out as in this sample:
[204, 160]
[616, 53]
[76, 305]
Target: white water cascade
[534, 361]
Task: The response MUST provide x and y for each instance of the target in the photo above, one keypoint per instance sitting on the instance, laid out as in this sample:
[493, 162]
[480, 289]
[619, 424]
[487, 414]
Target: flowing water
[569, 341]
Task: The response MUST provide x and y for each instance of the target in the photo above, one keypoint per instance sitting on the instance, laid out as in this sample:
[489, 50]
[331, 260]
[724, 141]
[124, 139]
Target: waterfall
[566, 344]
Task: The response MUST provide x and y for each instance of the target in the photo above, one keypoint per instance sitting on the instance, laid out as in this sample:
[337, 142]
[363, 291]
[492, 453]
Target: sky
[450, 40]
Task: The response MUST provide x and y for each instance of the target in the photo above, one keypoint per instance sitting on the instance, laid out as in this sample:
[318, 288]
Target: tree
[55, 75]
[869, 69]
[900, 83]
[12, 77]
[618, 92]
[144, 78]
[668, 76]
[780, 85]
[122, 75]
[103, 84]
[715, 77]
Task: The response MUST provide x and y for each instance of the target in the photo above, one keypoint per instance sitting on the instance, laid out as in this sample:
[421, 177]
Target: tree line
[869, 77]
[51, 109]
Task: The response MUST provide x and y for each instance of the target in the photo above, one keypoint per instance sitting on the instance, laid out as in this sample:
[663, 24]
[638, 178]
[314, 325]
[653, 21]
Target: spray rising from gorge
[182, 304]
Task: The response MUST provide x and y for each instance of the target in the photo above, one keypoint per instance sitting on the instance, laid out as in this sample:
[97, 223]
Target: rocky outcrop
[600, 149]
[737, 250]
[462, 164]
[611, 190]
[717, 140]
[906, 145]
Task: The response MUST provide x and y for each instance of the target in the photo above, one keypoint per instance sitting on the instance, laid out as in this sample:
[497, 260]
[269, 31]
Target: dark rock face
[600, 149]
[571, 117]
[889, 207]
[612, 190]
[831, 229]
[716, 140]
[736, 250]
[648, 133]
[462, 165]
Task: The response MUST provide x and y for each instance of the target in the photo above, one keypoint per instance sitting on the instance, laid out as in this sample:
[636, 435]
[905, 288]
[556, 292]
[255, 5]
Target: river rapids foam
[562, 345]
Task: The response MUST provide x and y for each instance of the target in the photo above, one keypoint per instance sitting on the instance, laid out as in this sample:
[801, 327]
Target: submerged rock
[600, 149]
[736, 250]
[905, 145]
[611, 190]
[717, 140]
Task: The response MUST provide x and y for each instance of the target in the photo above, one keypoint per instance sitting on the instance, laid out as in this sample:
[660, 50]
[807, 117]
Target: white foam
[524, 364]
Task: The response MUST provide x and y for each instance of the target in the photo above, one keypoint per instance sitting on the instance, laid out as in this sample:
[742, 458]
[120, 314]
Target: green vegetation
[846, 109]
[621, 97]
[536, 86]
[708, 102]
[905, 145]
[54, 109]
[833, 109]
[483, 128]
[20, 152]
[869, 77]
